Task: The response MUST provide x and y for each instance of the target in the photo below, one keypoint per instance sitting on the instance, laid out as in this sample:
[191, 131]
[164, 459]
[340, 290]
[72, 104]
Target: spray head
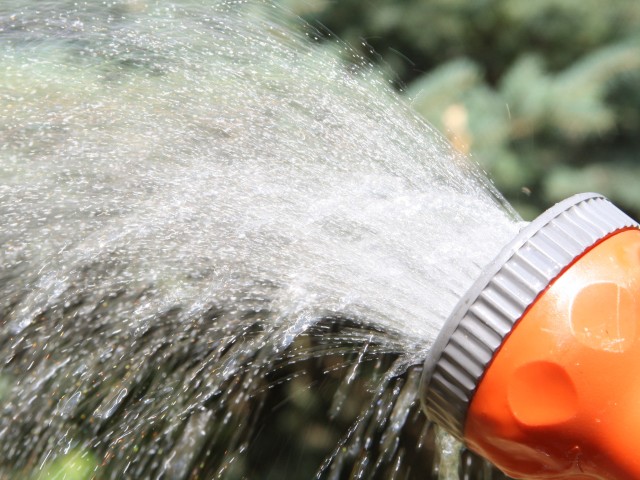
[537, 368]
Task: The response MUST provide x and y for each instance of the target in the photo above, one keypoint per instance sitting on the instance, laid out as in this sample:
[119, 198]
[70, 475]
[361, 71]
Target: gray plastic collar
[486, 314]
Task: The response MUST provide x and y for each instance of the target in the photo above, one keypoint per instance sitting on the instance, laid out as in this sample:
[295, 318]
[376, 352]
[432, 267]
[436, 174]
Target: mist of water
[194, 196]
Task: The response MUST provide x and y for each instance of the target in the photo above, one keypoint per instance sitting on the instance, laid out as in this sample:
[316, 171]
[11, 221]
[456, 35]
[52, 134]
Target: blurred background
[544, 94]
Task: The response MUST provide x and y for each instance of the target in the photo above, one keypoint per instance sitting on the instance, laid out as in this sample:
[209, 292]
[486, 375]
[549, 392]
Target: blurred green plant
[75, 465]
[544, 95]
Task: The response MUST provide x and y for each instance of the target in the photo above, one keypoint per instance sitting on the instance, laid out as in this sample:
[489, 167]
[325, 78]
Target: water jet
[204, 217]
[216, 233]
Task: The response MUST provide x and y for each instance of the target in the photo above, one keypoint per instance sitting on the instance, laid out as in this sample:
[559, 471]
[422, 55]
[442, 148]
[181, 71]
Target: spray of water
[195, 199]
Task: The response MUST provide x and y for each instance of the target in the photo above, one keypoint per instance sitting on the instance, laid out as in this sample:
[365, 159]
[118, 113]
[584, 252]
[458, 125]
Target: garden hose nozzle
[538, 367]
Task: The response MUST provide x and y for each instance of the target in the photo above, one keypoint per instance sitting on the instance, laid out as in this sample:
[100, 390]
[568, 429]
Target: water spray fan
[538, 367]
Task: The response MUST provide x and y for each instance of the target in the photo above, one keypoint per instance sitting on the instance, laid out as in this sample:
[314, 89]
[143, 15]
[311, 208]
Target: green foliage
[75, 465]
[545, 95]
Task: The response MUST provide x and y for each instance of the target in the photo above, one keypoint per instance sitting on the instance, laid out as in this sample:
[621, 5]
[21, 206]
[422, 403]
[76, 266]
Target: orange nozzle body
[538, 367]
[561, 399]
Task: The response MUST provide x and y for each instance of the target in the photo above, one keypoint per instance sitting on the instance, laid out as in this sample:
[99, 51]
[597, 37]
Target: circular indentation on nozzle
[542, 394]
[604, 317]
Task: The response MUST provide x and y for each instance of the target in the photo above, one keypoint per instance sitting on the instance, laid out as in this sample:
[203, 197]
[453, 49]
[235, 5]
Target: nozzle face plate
[487, 313]
[560, 398]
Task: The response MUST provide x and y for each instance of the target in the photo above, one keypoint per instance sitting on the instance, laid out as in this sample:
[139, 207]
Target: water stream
[209, 220]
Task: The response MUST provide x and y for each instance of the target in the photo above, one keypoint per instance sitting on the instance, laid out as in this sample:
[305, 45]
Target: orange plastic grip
[561, 399]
